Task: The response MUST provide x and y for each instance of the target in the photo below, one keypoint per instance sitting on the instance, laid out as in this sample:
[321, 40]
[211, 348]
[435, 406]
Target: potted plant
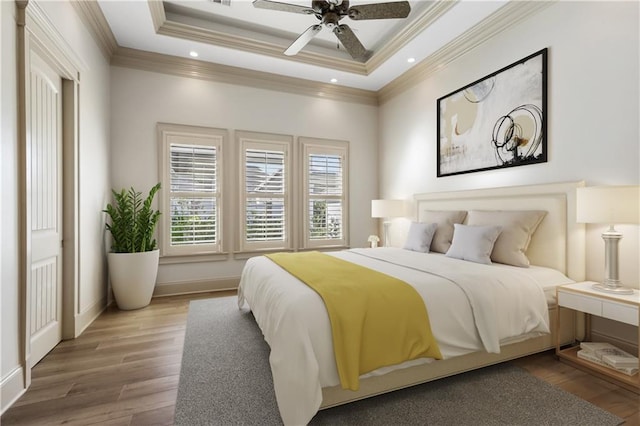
[133, 260]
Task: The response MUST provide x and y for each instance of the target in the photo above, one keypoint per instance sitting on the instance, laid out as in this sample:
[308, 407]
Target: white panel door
[44, 193]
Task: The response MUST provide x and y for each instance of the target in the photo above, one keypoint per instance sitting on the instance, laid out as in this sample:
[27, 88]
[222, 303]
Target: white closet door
[44, 210]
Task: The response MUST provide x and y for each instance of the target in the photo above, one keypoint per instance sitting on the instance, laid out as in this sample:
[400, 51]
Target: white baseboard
[11, 388]
[200, 286]
[85, 318]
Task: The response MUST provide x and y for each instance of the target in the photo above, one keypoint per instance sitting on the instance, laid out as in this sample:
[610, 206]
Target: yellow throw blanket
[376, 320]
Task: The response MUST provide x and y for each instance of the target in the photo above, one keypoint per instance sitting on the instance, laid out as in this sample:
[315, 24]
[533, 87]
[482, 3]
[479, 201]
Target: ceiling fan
[330, 12]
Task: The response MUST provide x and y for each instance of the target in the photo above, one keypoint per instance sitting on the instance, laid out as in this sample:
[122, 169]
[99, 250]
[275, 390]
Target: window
[325, 206]
[190, 170]
[265, 206]
[277, 194]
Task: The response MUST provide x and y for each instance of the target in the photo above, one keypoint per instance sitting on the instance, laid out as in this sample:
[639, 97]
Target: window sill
[194, 258]
[238, 255]
[243, 255]
[325, 248]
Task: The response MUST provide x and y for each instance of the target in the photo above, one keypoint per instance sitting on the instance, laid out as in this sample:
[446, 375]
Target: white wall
[593, 113]
[141, 99]
[94, 179]
[9, 295]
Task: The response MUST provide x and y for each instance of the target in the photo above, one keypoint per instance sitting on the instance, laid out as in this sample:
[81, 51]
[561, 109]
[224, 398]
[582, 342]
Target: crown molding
[158, 17]
[432, 14]
[164, 26]
[93, 18]
[505, 17]
[173, 65]
[157, 13]
[170, 28]
[202, 35]
[510, 14]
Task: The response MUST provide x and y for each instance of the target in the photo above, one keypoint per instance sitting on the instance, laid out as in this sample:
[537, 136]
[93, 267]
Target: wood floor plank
[149, 387]
[160, 417]
[120, 421]
[60, 366]
[43, 394]
[175, 349]
[51, 410]
[124, 370]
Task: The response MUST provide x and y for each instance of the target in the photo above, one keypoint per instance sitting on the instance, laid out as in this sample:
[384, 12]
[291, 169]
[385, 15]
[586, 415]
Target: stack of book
[607, 355]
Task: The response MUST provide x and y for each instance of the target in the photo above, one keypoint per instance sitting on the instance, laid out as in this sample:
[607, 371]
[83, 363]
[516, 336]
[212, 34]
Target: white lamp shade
[608, 204]
[388, 208]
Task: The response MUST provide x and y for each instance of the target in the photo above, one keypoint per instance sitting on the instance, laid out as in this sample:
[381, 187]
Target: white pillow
[420, 236]
[444, 233]
[473, 243]
[517, 228]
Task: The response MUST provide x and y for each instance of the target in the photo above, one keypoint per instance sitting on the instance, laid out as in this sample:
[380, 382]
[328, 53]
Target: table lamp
[387, 209]
[611, 205]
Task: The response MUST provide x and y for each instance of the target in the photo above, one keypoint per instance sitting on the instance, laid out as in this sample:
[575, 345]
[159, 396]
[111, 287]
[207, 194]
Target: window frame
[309, 146]
[169, 134]
[265, 141]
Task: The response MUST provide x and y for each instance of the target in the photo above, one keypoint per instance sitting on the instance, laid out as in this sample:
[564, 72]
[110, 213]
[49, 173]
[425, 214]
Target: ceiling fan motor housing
[322, 7]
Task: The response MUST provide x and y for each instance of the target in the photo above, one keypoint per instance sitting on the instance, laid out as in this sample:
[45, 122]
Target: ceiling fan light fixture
[193, 54]
[334, 80]
[330, 20]
[411, 60]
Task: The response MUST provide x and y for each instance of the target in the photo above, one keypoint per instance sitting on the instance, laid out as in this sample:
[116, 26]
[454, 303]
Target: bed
[295, 324]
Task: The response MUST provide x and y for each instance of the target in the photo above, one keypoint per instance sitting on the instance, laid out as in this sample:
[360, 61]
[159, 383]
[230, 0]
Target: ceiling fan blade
[282, 7]
[390, 10]
[303, 39]
[350, 42]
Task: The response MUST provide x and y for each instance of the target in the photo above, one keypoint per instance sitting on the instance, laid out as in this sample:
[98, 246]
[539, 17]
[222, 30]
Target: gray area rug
[225, 379]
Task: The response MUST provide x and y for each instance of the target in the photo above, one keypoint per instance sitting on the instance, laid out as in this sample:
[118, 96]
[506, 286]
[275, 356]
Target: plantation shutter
[325, 202]
[193, 195]
[325, 189]
[265, 190]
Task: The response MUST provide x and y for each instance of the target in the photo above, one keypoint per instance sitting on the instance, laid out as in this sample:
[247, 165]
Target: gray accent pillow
[517, 228]
[444, 233]
[420, 236]
[473, 243]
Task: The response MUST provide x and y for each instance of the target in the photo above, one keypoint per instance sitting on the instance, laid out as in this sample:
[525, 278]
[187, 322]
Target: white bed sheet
[486, 305]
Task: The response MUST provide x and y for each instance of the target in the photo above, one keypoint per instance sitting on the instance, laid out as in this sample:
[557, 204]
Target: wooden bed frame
[559, 243]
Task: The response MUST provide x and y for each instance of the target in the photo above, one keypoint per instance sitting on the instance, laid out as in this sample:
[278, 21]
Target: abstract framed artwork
[495, 122]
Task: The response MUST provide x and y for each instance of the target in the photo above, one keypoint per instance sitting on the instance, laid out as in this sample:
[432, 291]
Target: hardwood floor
[123, 370]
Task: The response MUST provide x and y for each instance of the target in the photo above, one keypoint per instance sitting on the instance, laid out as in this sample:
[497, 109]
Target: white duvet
[471, 307]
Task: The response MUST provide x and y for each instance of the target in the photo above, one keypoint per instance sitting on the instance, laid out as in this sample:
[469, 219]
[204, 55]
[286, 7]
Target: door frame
[36, 33]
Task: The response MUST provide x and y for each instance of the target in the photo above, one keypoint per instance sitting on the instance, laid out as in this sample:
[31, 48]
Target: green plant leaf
[133, 221]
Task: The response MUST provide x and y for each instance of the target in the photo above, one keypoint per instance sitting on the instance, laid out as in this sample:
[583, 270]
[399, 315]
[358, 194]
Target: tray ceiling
[234, 33]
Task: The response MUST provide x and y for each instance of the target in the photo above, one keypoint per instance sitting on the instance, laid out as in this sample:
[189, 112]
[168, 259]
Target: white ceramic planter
[133, 278]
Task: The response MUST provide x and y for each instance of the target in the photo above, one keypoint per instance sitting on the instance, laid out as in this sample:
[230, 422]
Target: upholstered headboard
[559, 242]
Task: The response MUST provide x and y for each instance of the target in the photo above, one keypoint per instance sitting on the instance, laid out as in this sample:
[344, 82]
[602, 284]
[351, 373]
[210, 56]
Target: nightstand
[623, 308]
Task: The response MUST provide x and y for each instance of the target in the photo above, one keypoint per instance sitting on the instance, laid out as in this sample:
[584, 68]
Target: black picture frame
[495, 122]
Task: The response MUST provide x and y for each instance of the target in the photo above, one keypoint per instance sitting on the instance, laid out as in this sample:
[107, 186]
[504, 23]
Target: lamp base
[386, 225]
[615, 290]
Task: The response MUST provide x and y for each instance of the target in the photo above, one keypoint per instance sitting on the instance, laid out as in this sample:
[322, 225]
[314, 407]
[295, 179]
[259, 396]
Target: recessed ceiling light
[193, 54]
[334, 80]
[411, 60]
